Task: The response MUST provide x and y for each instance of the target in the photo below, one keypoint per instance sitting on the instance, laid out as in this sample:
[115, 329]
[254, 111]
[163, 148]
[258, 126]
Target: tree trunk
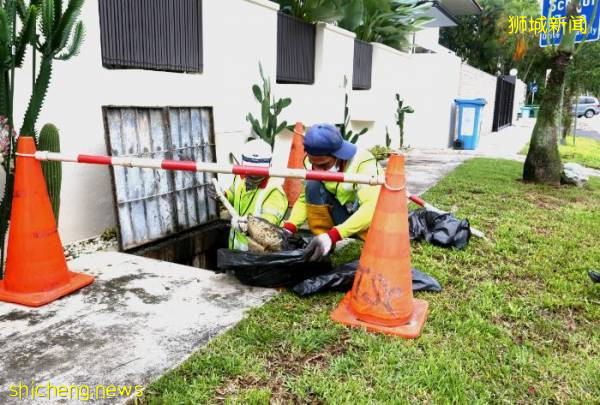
[567, 115]
[543, 163]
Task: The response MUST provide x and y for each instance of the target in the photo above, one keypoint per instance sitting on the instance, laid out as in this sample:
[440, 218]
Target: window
[152, 34]
[295, 50]
[363, 62]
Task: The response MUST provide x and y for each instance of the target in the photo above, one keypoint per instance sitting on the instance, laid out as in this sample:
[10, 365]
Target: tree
[483, 41]
[543, 164]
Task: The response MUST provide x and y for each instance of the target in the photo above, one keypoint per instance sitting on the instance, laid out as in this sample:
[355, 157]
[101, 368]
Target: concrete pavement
[140, 318]
[589, 127]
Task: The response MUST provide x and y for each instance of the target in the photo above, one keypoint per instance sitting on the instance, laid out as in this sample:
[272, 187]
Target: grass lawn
[518, 320]
[586, 151]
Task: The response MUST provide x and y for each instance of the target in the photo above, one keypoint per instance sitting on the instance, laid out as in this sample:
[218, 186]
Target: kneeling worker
[255, 195]
[334, 210]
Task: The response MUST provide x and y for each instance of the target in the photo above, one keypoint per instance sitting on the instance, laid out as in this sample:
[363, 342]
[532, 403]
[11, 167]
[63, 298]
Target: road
[589, 127]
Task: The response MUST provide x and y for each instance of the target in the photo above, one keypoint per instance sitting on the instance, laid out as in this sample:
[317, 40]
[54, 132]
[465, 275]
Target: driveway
[589, 127]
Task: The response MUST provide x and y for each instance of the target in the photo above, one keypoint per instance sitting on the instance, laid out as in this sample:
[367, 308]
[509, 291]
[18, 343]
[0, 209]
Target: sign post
[533, 87]
[558, 9]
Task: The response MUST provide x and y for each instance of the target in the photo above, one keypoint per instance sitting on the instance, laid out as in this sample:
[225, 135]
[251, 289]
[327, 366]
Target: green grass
[586, 151]
[518, 320]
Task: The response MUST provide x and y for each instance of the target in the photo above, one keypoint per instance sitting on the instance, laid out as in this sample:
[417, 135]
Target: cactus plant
[58, 37]
[401, 110]
[347, 133]
[49, 140]
[267, 128]
[57, 27]
[388, 139]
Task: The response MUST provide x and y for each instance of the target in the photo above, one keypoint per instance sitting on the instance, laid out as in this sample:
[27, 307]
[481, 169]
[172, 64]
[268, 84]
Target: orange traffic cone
[293, 187]
[381, 298]
[36, 269]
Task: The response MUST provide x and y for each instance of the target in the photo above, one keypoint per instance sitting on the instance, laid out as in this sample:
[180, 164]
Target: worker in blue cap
[334, 210]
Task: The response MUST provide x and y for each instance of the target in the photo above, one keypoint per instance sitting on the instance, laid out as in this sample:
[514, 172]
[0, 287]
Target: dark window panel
[295, 50]
[152, 34]
[363, 62]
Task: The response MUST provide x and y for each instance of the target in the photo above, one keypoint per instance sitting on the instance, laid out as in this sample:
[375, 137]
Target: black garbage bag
[342, 277]
[439, 229]
[275, 269]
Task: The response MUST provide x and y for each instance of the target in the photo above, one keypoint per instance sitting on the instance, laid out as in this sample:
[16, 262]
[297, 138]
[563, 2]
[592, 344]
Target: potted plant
[382, 153]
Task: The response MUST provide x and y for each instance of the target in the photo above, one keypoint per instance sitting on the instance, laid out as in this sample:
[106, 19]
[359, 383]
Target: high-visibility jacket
[269, 203]
[363, 195]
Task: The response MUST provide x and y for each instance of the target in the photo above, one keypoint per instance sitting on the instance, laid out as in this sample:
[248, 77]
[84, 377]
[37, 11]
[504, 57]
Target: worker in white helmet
[255, 195]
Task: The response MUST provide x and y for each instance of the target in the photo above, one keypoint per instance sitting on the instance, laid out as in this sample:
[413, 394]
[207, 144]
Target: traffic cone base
[36, 299]
[410, 329]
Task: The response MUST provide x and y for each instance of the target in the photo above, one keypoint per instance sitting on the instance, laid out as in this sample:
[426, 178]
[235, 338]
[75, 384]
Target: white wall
[237, 35]
[475, 83]
[520, 94]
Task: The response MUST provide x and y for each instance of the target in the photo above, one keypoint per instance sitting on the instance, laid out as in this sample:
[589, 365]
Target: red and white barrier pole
[193, 166]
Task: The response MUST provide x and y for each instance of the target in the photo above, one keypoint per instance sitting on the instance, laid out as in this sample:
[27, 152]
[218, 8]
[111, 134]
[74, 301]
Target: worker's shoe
[319, 218]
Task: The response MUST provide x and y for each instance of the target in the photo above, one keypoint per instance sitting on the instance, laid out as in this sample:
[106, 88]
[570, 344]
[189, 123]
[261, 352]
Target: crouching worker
[253, 195]
[334, 210]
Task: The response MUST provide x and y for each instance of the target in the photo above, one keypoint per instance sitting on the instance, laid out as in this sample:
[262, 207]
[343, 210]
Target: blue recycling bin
[468, 117]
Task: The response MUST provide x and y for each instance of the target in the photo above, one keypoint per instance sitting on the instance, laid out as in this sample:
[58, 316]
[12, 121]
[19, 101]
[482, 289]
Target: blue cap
[326, 139]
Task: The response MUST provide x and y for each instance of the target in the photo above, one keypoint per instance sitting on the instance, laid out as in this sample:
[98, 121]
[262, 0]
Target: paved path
[425, 167]
[140, 318]
[589, 127]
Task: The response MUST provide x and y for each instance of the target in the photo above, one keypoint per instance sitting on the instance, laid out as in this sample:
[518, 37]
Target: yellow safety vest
[365, 195]
[269, 203]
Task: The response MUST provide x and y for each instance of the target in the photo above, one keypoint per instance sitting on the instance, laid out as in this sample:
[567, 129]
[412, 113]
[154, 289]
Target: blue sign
[558, 9]
[534, 88]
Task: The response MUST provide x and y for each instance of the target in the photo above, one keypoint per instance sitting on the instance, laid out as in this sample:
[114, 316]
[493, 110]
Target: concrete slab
[425, 168]
[140, 318]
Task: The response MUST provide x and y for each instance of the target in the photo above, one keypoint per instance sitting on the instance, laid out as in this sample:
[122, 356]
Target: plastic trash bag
[276, 269]
[342, 277]
[439, 229]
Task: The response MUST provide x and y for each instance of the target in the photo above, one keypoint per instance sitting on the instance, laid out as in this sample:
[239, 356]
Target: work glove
[212, 192]
[288, 229]
[319, 247]
[240, 224]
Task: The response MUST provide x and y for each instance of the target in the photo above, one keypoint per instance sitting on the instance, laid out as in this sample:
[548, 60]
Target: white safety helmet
[257, 153]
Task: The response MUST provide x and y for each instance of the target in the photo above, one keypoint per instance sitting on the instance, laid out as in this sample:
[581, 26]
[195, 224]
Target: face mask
[253, 182]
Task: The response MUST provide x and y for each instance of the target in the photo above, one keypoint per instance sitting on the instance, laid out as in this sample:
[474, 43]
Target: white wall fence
[475, 83]
[237, 34]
